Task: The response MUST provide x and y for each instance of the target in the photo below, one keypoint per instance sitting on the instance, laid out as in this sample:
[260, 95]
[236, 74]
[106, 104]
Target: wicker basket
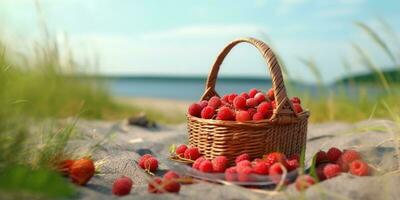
[285, 131]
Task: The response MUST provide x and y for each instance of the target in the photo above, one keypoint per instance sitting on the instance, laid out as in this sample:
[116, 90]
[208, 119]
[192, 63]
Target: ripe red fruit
[203, 104]
[261, 168]
[273, 103]
[271, 94]
[264, 107]
[154, 186]
[81, 171]
[171, 185]
[207, 112]
[214, 102]
[253, 92]
[232, 97]
[122, 186]
[303, 182]
[260, 97]
[180, 150]
[346, 158]
[242, 157]
[192, 153]
[239, 102]
[206, 166]
[225, 113]
[197, 162]
[297, 108]
[64, 166]
[320, 172]
[294, 156]
[258, 116]
[251, 111]
[171, 175]
[225, 98]
[231, 174]
[292, 164]
[332, 170]
[220, 163]
[142, 159]
[251, 103]
[195, 110]
[242, 116]
[151, 164]
[359, 168]
[276, 169]
[275, 157]
[321, 157]
[333, 154]
[244, 175]
[244, 95]
[295, 100]
[242, 164]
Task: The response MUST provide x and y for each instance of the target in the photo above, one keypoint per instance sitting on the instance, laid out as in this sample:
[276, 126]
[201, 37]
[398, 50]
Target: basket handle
[284, 112]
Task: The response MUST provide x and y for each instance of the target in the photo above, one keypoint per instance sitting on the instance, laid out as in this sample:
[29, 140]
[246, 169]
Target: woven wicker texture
[285, 131]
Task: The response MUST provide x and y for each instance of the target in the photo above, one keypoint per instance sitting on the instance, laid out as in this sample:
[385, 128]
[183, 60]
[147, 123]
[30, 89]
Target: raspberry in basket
[195, 109]
[242, 116]
[232, 97]
[207, 112]
[239, 102]
[253, 92]
[258, 116]
[264, 108]
[295, 100]
[260, 97]
[214, 102]
[251, 103]
[271, 94]
[244, 95]
[225, 113]
[297, 108]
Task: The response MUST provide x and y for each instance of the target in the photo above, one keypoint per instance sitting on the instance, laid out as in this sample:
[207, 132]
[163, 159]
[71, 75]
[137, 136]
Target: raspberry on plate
[242, 157]
[303, 182]
[333, 154]
[231, 174]
[276, 169]
[206, 166]
[192, 153]
[220, 163]
[332, 170]
[195, 109]
[122, 186]
[197, 162]
[261, 168]
[244, 175]
[292, 164]
[207, 112]
[359, 168]
[180, 150]
[275, 157]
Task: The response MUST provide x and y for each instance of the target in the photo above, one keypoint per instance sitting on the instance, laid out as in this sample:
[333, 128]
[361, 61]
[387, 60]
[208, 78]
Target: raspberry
[142, 159]
[359, 168]
[242, 116]
[195, 109]
[239, 102]
[251, 111]
[225, 98]
[203, 104]
[242, 157]
[273, 103]
[231, 174]
[295, 100]
[122, 186]
[251, 103]
[232, 97]
[332, 170]
[180, 150]
[320, 172]
[258, 116]
[81, 171]
[261, 168]
[303, 182]
[295, 157]
[264, 107]
[269, 114]
[207, 112]
[321, 157]
[220, 163]
[260, 97]
[297, 108]
[225, 113]
[171, 185]
[206, 166]
[346, 158]
[214, 102]
[242, 164]
[197, 162]
[151, 164]
[244, 175]
[192, 153]
[244, 95]
[275, 157]
[171, 175]
[154, 186]
[292, 164]
[253, 92]
[333, 154]
[276, 169]
[271, 94]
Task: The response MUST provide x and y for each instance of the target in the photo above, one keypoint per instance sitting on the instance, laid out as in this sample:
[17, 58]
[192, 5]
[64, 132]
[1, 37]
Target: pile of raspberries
[254, 105]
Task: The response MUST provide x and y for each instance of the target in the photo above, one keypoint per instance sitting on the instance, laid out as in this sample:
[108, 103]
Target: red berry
[239, 102]
[142, 159]
[225, 98]
[269, 114]
[197, 162]
[244, 175]
[231, 174]
[273, 103]
[292, 164]
[192, 153]
[258, 116]
[242, 164]
[206, 166]
[303, 182]
[359, 168]
[295, 100]
[271, 94]
[261, 168]
[214, 102]
[171, 185]
[264, 107]
[275, 157]
[180, 150]
[232, 97]
[207, 112]
[194, 110]
[253, 92]
[260, 97]
[297, 108]
[225, 113]
[251, 111]
[295, 157]
[251, 103]
[276, 169]
[332, 170]
[203, 104]
[244, 95]
[320, 171]
[321, 157]
[242, 116]
[154, 186]
[220, 163]
[122, 186]
[171, 175]
[346, 158]
[151, 164]
[333, 154]
[242, 157]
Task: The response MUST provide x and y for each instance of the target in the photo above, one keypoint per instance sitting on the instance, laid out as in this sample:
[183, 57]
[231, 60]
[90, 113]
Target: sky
[133, 37]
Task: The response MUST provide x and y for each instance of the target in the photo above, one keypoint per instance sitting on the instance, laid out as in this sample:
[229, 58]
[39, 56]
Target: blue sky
[184, 37]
